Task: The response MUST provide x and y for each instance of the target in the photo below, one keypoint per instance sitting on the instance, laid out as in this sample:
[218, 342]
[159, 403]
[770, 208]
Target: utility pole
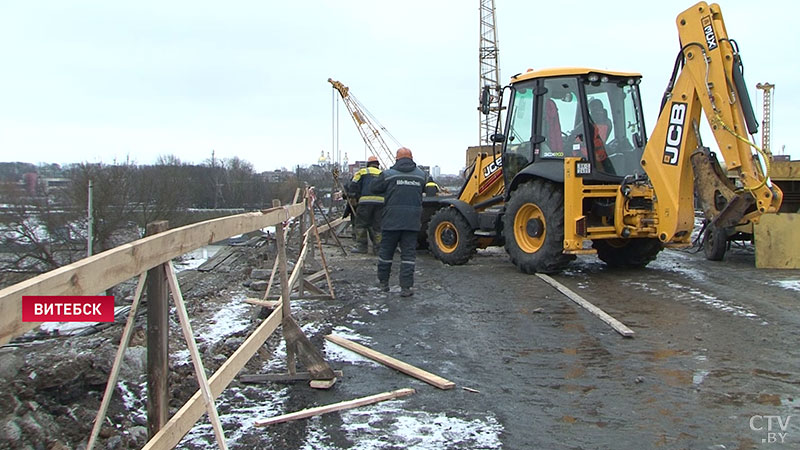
[489, 71]
[89, 220]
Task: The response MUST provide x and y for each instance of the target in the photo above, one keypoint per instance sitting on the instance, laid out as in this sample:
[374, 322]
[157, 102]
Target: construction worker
[431, 188]
[402, 186]
[367, 225]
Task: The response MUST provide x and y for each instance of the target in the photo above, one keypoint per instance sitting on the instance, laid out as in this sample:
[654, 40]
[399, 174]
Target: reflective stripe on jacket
[361, 183]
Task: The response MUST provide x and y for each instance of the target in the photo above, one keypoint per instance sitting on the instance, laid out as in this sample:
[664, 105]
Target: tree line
[43, 227]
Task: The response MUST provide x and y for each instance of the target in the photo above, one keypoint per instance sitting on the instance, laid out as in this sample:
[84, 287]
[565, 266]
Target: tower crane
[766, 120]
[489, 73]
[367, 125]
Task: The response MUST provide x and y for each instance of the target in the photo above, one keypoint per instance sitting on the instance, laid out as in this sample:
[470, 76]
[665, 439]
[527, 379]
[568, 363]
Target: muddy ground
[713, 364]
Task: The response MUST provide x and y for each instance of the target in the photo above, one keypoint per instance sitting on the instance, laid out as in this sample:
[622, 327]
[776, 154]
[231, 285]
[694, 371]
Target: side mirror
[497, 138]
[486, 97]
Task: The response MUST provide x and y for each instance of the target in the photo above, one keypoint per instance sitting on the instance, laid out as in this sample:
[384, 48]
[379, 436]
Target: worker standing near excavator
[367, 224]
[402, 187]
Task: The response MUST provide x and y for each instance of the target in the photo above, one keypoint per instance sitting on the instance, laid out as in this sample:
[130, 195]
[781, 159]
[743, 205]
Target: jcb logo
[708, 30]
[492, 167]
[672, 148]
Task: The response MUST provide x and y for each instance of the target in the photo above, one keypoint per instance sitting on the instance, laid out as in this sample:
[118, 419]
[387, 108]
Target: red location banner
[67, 308]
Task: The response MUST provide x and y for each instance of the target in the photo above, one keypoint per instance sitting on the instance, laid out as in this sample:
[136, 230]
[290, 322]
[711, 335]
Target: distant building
[436, 171]
[276, 176]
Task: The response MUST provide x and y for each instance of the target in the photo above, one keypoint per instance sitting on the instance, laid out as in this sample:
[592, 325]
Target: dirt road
[715, 356]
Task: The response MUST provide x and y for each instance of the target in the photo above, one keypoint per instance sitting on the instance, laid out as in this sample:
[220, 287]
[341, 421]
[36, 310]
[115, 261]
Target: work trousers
[368, 224]
[408, 255]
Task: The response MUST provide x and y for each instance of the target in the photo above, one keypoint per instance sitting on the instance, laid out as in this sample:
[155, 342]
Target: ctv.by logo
[759, 422]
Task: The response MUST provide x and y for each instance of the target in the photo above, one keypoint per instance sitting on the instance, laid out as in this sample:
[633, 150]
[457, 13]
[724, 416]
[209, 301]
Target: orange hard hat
[372, 159]
[403, 152]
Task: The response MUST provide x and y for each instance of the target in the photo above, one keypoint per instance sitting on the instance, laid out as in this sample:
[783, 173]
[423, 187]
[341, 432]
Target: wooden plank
[265, 303]
[114, 375]
[322, 384]
[279, 377]
[777, 241]
[618, 326]
[157, 341]
[331, 225]
[199, 369]
[316, 276]
[95, 274]
[396, 364]
[171, 434]
[310, 412]
[314, 289]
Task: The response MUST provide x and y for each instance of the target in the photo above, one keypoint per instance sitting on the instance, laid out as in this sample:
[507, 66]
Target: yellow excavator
[573, 172]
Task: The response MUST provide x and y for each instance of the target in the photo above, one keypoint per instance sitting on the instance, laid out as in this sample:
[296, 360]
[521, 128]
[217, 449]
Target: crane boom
[366, 128]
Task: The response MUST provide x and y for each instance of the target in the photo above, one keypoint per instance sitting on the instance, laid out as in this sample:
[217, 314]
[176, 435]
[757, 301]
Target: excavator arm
[710, 82]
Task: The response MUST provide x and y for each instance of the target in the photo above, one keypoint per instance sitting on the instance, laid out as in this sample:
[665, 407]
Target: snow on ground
[387, 425]
[238, 412]
[791, 285]
[334, 352]
[195, 258]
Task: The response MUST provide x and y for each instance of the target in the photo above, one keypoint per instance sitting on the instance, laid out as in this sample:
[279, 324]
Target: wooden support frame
[99, 272]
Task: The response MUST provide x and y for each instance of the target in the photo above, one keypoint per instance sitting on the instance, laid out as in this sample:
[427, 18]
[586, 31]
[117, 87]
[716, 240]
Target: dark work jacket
[360, 185]
[401, 187]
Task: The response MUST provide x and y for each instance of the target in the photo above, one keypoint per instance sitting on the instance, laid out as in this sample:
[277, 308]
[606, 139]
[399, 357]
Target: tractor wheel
[533, 228]
[715, 243]
[627, 252]
[450, 238]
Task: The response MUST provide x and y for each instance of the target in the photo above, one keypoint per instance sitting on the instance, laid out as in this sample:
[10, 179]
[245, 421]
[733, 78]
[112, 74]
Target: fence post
[285, 291]
[157, 341]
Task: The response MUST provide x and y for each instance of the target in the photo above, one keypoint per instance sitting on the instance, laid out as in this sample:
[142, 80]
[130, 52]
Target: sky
[101, 81]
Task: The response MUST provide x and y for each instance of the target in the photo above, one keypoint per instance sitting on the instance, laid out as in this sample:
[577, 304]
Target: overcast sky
[98, 81]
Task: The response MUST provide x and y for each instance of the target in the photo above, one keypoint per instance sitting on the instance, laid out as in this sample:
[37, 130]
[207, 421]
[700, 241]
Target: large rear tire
[450, 238]
[533, 228]
[627, 252]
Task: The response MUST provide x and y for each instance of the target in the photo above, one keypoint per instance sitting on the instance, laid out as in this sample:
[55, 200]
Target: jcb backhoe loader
[580, 176]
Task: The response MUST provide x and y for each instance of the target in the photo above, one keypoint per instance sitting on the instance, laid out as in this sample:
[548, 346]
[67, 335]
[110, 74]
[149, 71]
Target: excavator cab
[589, 114]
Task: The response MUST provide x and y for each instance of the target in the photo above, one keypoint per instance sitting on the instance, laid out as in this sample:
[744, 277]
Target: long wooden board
[97, 273]
[396, 364]
[618, 326]
[335, 407]
[183, 420]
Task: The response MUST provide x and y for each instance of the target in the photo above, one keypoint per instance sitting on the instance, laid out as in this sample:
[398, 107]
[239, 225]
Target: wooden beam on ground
[322, 384]
[280, 377]
[396, 364]
[99, 272]
[618, 326]
[176, 427]
[310, 412]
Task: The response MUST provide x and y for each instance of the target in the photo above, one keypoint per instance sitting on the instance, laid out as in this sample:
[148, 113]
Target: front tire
[450, 238]
[627, 252]
[534, 228]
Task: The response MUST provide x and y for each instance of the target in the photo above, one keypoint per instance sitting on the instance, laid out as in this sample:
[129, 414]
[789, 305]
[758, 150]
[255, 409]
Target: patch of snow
[791, 285]
[387, 425]
[232, 318]
[699, 376]
[238, 413]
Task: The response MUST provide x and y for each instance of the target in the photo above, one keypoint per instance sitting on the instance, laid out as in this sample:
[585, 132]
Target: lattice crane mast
[489, 72]
[766, 120]
[367, 125]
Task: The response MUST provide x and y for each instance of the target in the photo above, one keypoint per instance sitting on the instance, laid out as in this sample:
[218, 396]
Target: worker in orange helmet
[402, 186]
[367, 220]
